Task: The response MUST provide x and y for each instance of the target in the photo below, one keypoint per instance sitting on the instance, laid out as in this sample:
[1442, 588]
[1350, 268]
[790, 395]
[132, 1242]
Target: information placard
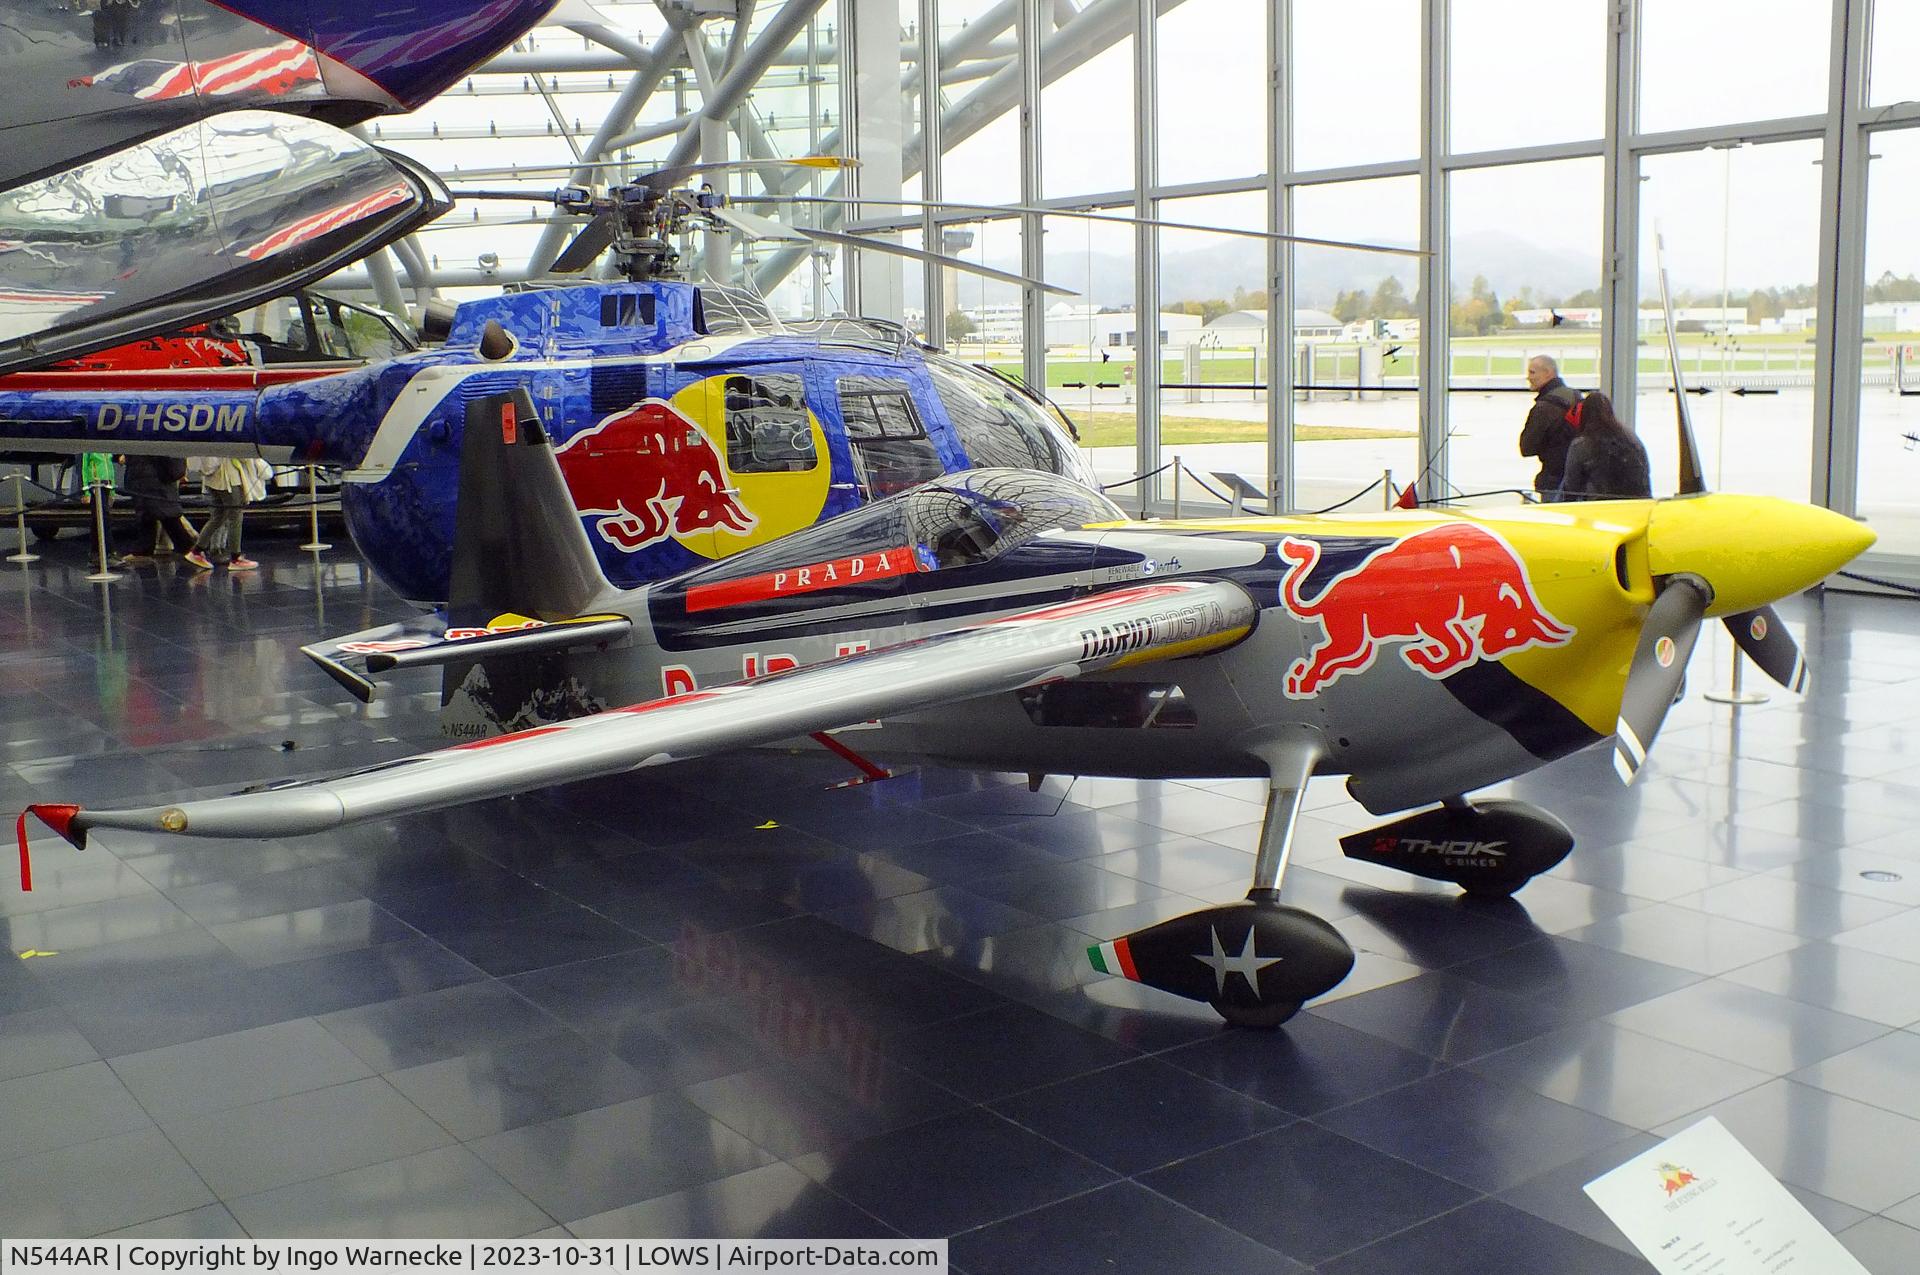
[1700, 1204]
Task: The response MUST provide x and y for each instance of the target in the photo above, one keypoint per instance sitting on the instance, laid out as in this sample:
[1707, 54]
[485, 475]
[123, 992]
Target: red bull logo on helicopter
[1455, 594]
[647, 473]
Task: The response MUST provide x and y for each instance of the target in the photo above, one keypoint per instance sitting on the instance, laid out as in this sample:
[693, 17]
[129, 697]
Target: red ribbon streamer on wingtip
[26, 863]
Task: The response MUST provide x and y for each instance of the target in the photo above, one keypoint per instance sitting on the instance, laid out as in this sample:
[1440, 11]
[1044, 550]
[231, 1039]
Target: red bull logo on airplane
[649, 472]
[1454, 595]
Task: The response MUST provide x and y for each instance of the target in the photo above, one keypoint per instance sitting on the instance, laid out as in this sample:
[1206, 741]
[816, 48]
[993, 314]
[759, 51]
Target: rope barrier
[1137, 478]
[1205, 486]
[1895, 585]
[1344, 503]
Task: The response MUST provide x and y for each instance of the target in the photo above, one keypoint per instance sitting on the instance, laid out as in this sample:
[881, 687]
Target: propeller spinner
[1672, 626]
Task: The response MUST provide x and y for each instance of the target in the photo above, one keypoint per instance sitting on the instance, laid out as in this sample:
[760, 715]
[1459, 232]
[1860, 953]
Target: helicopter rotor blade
[918, 254]
[490, 222]
[593, 239]
[755, 226]
[555, 196]
[654, 177]
[1117, 218]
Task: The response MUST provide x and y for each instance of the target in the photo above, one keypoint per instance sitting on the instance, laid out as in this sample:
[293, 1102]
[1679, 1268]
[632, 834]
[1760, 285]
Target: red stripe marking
[1097, 602]
[648, 707]
[687, 697]
[164, 380]
[1125, 953]
[26, 862]
[807, 577]
[502, 739]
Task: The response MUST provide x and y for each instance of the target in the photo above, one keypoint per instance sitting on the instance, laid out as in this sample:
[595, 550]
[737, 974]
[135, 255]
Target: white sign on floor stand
[1699, 1202]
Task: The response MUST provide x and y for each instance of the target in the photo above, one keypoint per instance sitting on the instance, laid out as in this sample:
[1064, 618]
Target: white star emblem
[1248, 964]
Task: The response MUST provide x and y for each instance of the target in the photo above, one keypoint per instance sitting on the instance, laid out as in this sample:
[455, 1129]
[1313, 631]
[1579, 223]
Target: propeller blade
[901, 250]
[1117, 218]
[1657, 671]
[1659, 663]
[1691, 483]
[587, 245]
[1768, 644]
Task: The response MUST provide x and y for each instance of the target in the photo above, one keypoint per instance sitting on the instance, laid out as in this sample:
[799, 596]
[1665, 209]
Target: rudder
[518, 544]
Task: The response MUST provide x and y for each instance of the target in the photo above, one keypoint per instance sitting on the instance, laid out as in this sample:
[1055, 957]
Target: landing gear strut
[1257, 961]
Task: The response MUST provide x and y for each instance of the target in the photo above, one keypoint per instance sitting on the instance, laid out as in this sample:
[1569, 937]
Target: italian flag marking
[1113, 958]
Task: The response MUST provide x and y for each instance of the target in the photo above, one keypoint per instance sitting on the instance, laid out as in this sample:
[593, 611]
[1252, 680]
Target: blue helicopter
[686, 431]
[690, 422]
[694, 422]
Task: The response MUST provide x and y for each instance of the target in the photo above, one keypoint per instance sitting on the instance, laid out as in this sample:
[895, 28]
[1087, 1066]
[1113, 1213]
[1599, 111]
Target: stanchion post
[102, 576]
[1178, 468]
[314, 543]
[1386, 489]
[1734, 694]
[20, 521]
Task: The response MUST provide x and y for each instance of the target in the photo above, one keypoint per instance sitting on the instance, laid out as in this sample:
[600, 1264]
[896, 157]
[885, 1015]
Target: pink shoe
[240, 563]
[198, 559]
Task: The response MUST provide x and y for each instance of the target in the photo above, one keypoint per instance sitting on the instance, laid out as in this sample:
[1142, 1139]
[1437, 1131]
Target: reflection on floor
[723, 1001]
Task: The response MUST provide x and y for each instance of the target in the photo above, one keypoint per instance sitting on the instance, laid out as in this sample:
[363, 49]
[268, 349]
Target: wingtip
[61, 819]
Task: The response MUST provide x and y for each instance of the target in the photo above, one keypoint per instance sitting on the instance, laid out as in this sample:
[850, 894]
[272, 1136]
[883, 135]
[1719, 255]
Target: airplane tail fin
[518, 547]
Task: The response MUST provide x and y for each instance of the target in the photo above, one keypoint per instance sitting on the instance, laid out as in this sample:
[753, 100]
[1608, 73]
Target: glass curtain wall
[1211, 335]
[1889, 449]
[1357, 348]
[1524, 259]
[1720, 118]
[1571, 131]
[1090, 340]
[1741, 227]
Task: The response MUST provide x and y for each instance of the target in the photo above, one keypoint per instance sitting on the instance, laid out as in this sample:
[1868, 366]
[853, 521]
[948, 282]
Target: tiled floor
[721, 1000]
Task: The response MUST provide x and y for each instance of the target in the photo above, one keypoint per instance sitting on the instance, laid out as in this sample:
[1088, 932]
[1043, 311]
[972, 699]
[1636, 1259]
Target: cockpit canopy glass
[203, 221]
[958, 520]
[1001, 427]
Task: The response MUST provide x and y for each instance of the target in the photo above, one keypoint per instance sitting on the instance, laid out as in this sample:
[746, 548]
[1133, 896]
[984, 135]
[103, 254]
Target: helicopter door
[776, 474]
[891, 450]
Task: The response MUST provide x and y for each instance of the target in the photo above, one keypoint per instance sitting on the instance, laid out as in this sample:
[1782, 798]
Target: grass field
[1499, 357]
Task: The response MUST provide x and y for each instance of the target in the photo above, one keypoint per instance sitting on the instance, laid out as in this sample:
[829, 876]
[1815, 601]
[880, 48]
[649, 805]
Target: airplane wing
[1133, 625]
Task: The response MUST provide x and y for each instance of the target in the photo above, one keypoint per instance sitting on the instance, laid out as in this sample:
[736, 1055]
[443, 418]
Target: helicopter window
[768, 429]
[626, 310]
[373, 334]
[996, 425]
[891, 450]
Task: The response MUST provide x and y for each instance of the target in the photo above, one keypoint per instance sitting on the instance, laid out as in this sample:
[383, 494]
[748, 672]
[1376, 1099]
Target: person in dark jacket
[1546, 433]
[153, 482]
[1605, 462]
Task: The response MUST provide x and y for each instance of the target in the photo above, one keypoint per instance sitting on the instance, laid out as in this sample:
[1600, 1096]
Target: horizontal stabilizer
[596, 631]
[428, 640]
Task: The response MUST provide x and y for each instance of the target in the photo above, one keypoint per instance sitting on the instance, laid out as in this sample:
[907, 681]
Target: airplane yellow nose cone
[1752, 550]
